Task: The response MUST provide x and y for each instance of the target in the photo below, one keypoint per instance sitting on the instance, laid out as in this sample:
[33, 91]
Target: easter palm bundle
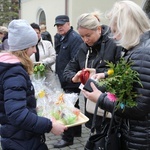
[120, 83]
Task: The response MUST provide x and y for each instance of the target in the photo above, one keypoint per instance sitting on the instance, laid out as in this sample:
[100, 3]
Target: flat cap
[61, 19]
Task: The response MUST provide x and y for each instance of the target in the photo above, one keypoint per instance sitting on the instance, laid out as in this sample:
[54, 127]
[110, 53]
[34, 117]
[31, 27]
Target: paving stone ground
[79, 142]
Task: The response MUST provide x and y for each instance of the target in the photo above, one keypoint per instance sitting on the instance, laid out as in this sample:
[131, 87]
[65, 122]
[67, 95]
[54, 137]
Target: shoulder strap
[104, 116]
[95, 113]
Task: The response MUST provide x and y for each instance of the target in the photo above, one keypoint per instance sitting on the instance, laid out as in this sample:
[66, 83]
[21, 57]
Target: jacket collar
[63, 38]
[145, 36]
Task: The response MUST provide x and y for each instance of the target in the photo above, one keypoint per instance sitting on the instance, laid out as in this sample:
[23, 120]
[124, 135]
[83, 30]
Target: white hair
[130, 21]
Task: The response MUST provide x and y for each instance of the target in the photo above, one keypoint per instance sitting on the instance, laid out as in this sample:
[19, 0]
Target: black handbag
[109, 136]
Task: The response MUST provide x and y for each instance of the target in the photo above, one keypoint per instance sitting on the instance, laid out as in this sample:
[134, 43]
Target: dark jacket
[136, 120]
[47, 36]
[103, 50]
[66, 48]
[18, 118]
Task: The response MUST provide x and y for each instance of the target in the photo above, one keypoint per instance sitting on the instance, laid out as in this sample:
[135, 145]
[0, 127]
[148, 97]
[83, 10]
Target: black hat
[62, 19]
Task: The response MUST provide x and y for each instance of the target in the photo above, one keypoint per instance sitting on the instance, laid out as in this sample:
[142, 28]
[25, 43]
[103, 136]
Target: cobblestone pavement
[79, 142]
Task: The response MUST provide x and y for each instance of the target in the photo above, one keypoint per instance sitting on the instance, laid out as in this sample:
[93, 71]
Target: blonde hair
[89, 20]
[130, 21]
[43, 27]
[3, 29]
[25, 60]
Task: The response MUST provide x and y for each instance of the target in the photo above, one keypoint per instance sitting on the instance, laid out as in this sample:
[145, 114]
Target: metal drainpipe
[66, 7]
[19, 9]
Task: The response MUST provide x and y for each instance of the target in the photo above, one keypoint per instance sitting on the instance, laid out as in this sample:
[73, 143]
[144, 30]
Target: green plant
[39, 70]
[120, 82]
[9, 10]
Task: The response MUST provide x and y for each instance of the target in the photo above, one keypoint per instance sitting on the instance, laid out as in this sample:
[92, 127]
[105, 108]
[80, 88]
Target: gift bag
[108, 138]
[90, 107]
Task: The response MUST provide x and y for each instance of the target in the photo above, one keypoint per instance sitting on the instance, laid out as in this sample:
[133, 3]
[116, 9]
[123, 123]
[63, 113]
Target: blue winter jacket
[18, 117]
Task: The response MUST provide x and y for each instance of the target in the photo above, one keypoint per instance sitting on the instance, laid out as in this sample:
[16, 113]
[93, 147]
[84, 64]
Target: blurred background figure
[4, 38]
[45, 53]
[3, 31]
[45, 34]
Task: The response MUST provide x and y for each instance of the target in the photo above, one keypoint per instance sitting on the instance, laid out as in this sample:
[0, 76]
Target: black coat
[47, 36]
[136, 120]
[104, 49]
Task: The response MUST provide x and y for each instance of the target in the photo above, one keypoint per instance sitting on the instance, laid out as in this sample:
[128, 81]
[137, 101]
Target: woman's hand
[76, 78]
[98, 76]
[93, 96]
[57, 128]
[37, 63]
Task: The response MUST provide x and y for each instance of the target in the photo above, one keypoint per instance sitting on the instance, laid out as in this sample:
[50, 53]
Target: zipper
[92, 62]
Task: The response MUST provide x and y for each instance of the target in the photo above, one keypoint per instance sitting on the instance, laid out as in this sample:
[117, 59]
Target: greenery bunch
[39, 70]
[120, 82]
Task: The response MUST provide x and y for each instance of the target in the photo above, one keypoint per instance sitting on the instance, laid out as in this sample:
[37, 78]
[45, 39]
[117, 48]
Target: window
[42, 18]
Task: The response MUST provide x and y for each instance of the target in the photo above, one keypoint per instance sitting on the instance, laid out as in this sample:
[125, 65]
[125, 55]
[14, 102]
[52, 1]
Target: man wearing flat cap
[67, 43]
[61, 20]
